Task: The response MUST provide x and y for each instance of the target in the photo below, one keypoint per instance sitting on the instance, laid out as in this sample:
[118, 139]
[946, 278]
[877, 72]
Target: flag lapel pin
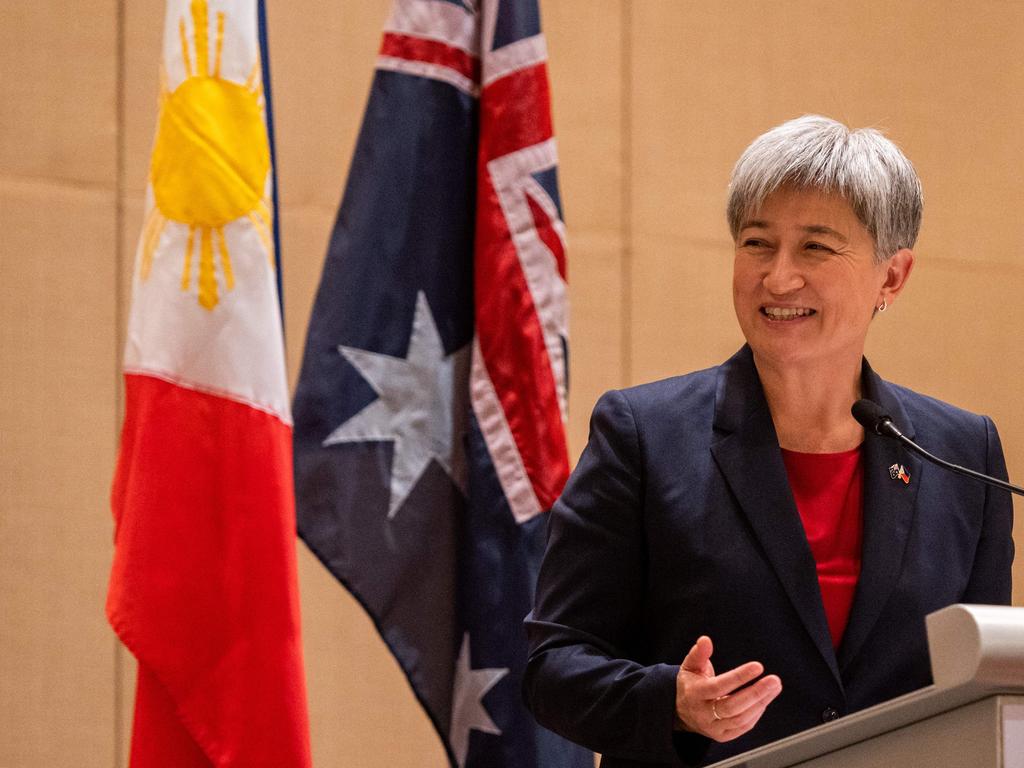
[897, 472]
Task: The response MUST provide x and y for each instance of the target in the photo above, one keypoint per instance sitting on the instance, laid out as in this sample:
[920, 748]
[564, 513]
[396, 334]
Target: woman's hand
[718, 706]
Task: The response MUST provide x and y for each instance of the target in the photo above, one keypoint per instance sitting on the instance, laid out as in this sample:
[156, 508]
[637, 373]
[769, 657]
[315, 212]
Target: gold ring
[714, 710]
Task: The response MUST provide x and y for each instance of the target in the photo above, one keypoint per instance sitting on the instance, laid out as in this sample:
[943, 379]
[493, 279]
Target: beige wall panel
[57, 410]
[585, 49]
[305, 233]
[124, 704]
[585, 45]
[595, 331]
[58, 89]
[143, 43]
[682, 305]
[322, 61]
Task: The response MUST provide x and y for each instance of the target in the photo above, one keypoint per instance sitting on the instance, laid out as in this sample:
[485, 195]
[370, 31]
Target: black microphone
[874, 419]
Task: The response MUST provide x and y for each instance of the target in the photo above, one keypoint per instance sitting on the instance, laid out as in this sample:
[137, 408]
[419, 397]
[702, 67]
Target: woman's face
[805, 282]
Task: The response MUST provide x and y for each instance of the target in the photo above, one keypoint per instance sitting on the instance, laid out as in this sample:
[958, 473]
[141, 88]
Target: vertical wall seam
[119, 322]
[626, 200]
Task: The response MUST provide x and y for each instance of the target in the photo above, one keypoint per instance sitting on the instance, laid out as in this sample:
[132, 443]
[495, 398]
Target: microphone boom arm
[887, 428]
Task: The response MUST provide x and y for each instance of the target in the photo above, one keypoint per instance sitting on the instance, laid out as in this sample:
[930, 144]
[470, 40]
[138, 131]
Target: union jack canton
[430, 411]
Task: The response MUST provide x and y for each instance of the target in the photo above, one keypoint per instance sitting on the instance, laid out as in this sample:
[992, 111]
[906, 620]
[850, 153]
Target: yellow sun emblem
[210, 160]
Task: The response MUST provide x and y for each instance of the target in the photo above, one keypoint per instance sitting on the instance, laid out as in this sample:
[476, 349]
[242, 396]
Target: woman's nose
[783, 275]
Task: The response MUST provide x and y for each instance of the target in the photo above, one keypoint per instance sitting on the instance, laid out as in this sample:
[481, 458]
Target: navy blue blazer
[679, 521]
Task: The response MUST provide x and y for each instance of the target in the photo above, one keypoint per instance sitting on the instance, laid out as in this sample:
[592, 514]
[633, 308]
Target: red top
[829, 489]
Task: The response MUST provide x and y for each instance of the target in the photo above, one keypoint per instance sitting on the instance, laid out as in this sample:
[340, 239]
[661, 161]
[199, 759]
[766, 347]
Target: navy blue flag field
[430, 411]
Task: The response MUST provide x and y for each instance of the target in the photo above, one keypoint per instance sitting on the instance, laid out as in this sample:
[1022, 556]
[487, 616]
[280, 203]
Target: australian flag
[430, 411]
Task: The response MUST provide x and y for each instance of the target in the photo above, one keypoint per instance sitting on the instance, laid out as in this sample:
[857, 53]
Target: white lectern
[971, 717]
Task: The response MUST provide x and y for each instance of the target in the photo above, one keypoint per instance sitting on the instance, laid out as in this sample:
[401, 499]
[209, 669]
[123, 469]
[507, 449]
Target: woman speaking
[734, 559]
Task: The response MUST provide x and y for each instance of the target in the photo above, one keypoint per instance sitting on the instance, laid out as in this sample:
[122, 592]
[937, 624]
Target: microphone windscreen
[869, 414]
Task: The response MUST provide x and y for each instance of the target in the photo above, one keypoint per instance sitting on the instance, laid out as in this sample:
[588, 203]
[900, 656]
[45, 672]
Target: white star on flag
[471, 685]
[421, 406]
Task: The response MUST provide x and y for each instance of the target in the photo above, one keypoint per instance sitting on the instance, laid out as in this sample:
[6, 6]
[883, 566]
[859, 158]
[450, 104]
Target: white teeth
[786, 313]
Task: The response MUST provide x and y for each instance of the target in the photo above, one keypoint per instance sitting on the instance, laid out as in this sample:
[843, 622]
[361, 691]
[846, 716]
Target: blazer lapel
[888, 515]
[747, 453]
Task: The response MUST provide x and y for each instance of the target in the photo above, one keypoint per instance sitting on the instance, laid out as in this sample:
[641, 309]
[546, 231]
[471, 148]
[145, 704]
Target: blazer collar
[746, 450]
[889, 505]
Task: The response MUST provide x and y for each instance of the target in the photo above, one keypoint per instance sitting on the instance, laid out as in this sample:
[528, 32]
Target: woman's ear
[897, 272]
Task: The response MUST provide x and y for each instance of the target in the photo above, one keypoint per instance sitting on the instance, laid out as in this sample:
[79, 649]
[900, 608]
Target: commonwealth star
[421, 406]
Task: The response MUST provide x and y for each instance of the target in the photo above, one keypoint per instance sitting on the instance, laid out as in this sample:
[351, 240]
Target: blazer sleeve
[991, 575]
[587, 622]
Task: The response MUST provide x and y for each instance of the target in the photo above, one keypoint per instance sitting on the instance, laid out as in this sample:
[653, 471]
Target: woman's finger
[727, 682]
[698, 660]
[735, 727]
[735, 704]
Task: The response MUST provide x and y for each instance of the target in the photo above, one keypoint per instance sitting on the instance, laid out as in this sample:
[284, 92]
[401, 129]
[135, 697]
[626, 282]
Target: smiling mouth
[784, 314]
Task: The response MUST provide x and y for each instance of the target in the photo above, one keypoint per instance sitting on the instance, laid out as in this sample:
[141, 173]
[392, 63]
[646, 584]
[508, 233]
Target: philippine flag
[203, 589]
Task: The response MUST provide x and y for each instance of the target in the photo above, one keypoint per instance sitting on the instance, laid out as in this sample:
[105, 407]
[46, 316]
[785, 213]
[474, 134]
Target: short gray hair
[814, 152]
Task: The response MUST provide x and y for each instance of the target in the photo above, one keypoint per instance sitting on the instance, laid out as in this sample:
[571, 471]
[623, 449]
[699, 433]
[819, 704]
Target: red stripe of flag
[430, 52]
[548, 235]
[512, 344]
[517, 105]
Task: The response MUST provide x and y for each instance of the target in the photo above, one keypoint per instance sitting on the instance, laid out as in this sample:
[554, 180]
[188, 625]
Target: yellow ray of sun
[207, 271]
[263, 230]
[201, 31]
[225, 259]
[220, 43]
[151, 232]
[263, 222]
[250, 81]
[186, 273]
[184, 47]
[211, 158]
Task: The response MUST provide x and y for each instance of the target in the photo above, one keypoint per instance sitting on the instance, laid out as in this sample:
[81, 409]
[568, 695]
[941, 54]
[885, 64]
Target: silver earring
[883, 306]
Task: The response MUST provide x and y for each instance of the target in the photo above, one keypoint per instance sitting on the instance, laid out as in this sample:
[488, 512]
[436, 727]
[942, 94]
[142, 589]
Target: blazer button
[829, 715]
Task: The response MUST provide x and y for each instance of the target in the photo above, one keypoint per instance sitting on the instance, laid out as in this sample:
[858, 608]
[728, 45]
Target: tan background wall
[654, 99]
